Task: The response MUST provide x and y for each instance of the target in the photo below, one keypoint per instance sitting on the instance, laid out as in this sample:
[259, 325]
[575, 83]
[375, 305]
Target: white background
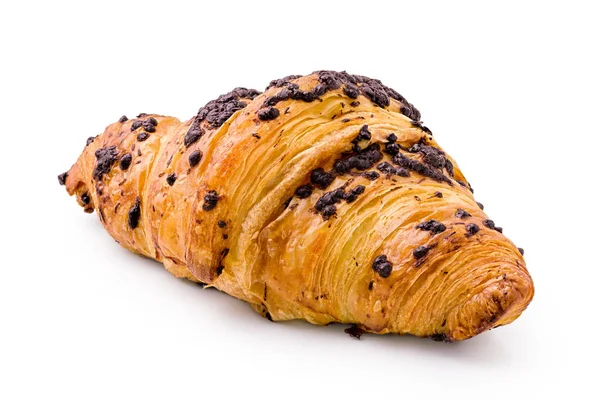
[510, 91]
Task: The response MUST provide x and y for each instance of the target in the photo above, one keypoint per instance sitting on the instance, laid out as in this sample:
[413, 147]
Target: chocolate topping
[125, 161]
[320, 178]
[382, 266]
[423, 169]
[135, 125]
[329, 198]
[149, 127]
[210, 200]
[221, 224]
[123, 119]
[134, 214]
[490, 224]
[432, 156]
[269, 113]
[462, 214]
[195, 158]
[392, 148]
[421, 251]
[479, 205]
[328, 212]
[217, 112]
[392, 138]
[371, 175]
[62, 178]
[388, 169]
[105, 158]
[432, 226]
[171, 178]
[193, 134]
[142, 136]
[304, 191]
[353, 85]
[354, 331]
[90, 140]
[353, 194]
[472, 229]
[364, 133]
[521, 251]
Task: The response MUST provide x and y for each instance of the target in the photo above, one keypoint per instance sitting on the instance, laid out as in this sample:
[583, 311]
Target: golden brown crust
[281, 199]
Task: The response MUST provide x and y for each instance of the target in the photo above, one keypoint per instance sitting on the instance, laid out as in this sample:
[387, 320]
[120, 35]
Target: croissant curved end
[499, 303]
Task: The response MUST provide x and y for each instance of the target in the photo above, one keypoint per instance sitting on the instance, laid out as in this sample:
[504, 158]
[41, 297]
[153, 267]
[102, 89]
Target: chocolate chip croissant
[323, 198]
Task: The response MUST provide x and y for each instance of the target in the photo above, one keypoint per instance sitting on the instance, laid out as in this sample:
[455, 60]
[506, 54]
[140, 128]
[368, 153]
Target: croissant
[323, 198]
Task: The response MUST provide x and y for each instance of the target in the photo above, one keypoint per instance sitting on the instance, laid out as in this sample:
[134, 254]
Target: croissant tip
[500, 303]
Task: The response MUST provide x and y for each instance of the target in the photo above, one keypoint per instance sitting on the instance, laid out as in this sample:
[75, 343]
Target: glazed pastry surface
[323, 198]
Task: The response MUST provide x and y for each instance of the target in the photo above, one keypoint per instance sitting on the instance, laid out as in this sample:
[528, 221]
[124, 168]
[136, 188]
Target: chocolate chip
[195, 158]
[392, 148]
[62, 178]
[386, 168]
[490, 224]
[224, 252]
[148, 127]
[329, 198]
[142, 115]
[105, 158]
[125, 161]
[423, 169]
[421, 251]
[354, 193]
[521, 251]
[392, 138]
[354, 331]
[152, 121]
[123, 119]
[328, 212]
[371, 285]
[193, 134]
[304, 191]
[269, 113]
[85, 198]
[320, 178]
[355, 103]
[382, 266]
[432, 226]
[431, 155]
[351, 91]
[142, 136]
[171, 178]
[210, 200]
[220, 270]
[479, 205]
[462, 214]
[371, 175]
[472, 229]
[221, 224]
[439, 337]
[133, 217]
[364, 133]
[135, 125]
[90, 140]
